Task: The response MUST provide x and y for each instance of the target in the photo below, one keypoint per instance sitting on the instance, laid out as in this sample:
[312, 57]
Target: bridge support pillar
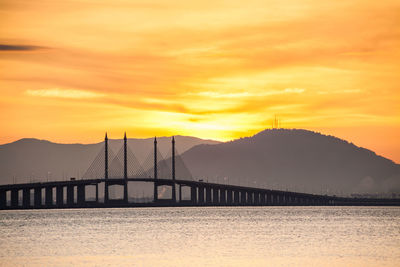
[281, 200]
[229, 196]
[49, 196]
[70, 195]
[3, 199]
[155, 192]
[14, 198]
[236, 197]
[193, 194]
[216, 196]
[37, 203]
[26, 197]
[97, 193]
[106, 192]
[201, 195]
[222, 196]
[243, 199]
[59, 196]
[81, 195]
[125, 192]
[262, 198]
[299, 201]
[291, 200]
[284, 199]
[256, 198]
[208, 195]
[250, 198]
[274, 199]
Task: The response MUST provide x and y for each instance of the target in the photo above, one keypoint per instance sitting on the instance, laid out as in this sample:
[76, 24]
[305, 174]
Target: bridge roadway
[201, 194]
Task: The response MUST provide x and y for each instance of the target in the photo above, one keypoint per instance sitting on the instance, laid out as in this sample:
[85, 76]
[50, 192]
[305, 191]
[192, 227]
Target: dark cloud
[5, 47]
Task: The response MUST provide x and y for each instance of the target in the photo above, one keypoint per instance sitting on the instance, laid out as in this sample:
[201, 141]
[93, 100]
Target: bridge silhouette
[111, 169]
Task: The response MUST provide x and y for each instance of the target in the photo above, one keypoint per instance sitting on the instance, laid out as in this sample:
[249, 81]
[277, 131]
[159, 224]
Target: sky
[71, 70]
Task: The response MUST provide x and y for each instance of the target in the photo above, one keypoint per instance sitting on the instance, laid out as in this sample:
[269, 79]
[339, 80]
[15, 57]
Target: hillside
[296, 160]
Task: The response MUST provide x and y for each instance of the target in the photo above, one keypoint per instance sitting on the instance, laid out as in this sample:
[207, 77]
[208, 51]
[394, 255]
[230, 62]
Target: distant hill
[296, 160]
[36, 160]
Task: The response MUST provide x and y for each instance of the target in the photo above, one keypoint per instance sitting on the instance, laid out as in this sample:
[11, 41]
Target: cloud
[64, 93]
[5, 47]
[214, 94]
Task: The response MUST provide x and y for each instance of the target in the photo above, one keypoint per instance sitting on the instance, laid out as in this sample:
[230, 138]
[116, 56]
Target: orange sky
[70, 70]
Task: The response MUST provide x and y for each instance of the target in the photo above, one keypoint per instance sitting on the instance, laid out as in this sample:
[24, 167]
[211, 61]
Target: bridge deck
[200, 193]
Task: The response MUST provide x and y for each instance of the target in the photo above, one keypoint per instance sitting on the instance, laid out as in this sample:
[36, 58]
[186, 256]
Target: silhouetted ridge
[298, 160]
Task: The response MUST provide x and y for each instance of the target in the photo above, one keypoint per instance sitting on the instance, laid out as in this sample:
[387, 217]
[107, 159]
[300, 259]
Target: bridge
[122, 168]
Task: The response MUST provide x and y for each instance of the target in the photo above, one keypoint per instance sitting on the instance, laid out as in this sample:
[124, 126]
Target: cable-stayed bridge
[109, 169]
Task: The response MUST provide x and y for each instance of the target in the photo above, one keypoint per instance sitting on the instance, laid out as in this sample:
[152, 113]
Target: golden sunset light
[71, 70]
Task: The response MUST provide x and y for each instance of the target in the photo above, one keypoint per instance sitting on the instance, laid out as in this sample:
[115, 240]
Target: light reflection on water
[225, 236]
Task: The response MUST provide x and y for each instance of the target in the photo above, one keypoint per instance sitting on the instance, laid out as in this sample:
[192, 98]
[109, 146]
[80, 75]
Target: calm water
[259, 236]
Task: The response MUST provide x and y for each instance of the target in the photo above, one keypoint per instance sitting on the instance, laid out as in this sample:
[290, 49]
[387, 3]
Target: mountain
[36, 160]
[296, 160]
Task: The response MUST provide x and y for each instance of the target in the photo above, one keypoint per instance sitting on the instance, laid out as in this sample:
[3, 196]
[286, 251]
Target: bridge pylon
[155, 171]
[125, 169]
[106, 197]
[173, 171]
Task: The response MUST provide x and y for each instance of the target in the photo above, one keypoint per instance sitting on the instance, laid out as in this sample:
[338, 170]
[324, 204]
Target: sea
[202, 236]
